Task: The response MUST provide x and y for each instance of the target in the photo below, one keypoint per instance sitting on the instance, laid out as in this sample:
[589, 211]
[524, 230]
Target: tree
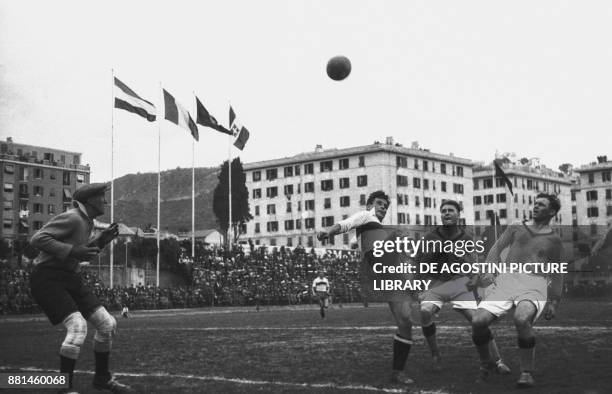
[566, 168]
[240, 198]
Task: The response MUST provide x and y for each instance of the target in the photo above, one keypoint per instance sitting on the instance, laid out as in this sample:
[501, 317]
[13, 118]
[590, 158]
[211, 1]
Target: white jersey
[357, 220]
[320, 284]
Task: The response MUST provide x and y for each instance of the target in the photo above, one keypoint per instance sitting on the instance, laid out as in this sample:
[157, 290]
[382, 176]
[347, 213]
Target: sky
[470, 77]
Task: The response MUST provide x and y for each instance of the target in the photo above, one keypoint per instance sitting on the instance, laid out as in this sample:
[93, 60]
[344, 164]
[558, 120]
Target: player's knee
[76, 332]
[480, 323]
[482, 338]
[522, 321]
[106, 326]
[429, 330]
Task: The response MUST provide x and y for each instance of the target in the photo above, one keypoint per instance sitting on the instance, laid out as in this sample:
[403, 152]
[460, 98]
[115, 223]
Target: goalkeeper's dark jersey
[436, 257]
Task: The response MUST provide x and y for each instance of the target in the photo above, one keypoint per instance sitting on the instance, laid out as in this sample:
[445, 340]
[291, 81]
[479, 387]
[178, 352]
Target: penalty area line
[213, 378]
[353, 328]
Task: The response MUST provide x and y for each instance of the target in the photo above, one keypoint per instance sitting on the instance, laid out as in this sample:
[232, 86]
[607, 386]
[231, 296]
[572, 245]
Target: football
[338, 68]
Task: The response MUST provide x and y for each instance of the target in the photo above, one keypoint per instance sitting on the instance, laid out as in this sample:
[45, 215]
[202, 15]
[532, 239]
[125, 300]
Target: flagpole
[193, 187]
[229, 171]
[112, 191]
[158, 184]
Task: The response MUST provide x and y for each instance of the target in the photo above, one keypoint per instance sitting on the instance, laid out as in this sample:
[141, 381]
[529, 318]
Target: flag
[238, 129]
[204, 118]
[242, 138]
[501, 174]
[127, 99]
[178, 115]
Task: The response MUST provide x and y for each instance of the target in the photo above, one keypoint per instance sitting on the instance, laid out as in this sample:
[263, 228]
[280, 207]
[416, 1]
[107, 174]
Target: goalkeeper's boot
[399, 377]
[110, 384]
[525, 380]
[501, 368]
[485, 371]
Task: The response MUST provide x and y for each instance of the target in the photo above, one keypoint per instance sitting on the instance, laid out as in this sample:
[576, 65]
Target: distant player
[376, 209]
[58, 289]
[527, 293]
[321, 289]
[125, 312]
[455, 289]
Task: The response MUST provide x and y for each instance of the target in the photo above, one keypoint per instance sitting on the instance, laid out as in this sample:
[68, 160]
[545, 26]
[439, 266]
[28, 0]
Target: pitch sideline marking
[328, 385]
[348, 328]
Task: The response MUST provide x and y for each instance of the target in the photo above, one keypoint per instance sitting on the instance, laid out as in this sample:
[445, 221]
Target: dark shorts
[61, 293]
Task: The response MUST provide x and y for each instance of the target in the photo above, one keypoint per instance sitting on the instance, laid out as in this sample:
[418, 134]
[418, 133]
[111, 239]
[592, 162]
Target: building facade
[491, 195]
[593, 194]
[37, 183]
[292, 198]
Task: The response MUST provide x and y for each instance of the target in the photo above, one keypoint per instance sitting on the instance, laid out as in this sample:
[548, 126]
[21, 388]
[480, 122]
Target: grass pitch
[282, 349]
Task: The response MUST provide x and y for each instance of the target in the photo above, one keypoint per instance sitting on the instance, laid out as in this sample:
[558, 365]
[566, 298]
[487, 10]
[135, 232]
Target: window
[257, 229]
[418, 219]
[327, 166]
[327, 203]
[529, 184]
[503, 214]
[80, 178]
[256, 176]
[288, 207]
[477, 200]
[608, 194]
[288, 224]
[38, 173]
[51, 209]
[343, 164]
[362, 199]
[299, 203]
[591, 177]
[288, 171]
[488, 199]
[443, 186]
[400, 199]
[425, 165]
[605, 176]
[477, 215]
[443, 168]
[487, 183]
[8, 187]
[9, 168]
[289, 241]
[459, 171]
[297, 169]
[501, 197]
[476, 184]
[574, 209]
[38, 191]
[309, 205]
[362, 180]
[256, 210]
[309, 187]
[516, 213]
[427, 202]
[38, 208]
[288, 190]
[344, 183]
[345, 201]
[609, 210]
[53, 175]
[66, 178]
[402, 180]
[8, 205]
[298, 224]
[345, 239]
[308, 168]
[327, 221]
[457, 188]
[272, 227]
[427, 220]
[271, 209]
[416, 183]
[361, 161]
[256, 193]
[271, 174]
[309, 223]
[592, 212]
[591, 195]
[417, 202]
[401, 218]
[425, 184]
[272, 192]
[327, 185]
[402, 162]
[7, 223]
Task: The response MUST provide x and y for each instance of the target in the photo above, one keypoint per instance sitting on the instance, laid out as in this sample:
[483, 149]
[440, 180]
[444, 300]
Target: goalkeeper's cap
[85, 192]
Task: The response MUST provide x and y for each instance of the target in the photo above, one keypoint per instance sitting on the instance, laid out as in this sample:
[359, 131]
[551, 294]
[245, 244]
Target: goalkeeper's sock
[401, 349]
[527, 353]
[67, 366]
[102, 364]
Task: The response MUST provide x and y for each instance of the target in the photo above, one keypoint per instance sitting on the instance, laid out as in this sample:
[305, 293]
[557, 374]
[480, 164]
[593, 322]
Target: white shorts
[510, 289]
[454, 291]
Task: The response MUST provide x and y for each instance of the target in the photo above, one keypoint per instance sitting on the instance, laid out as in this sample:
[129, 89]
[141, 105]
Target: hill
[136, 199]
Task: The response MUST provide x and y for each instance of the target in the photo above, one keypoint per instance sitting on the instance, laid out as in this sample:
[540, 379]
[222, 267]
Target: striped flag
[238, 129]
[501, 174]
[127, 99]
[177, 114]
